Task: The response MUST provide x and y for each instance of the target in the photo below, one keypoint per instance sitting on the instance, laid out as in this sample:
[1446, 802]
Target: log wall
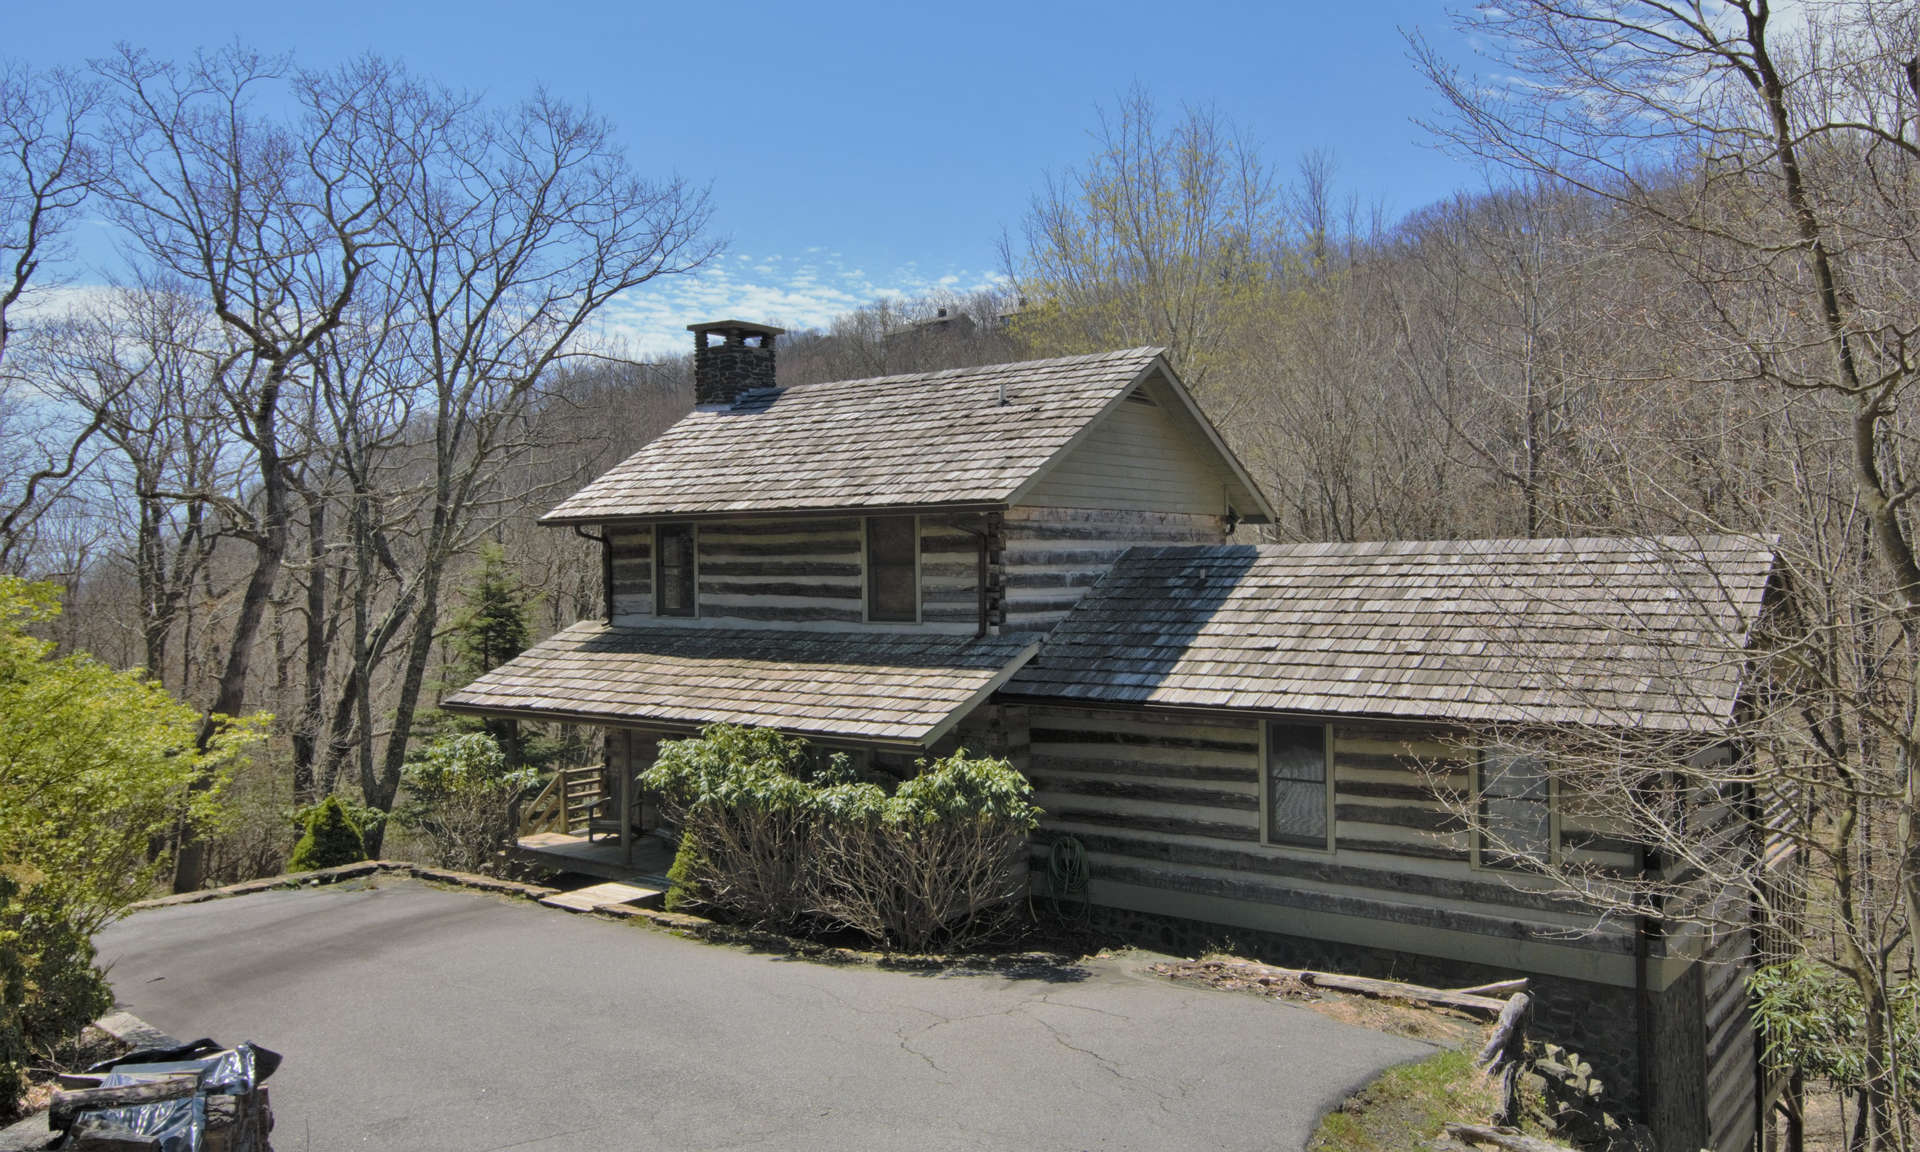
[632, 572]
[800, 572]
[791, 571]
[1055, 554]
[1168, 807]
[1732, 1055]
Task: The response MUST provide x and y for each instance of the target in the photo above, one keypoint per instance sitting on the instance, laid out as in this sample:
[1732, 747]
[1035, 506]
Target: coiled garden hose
[1067, 879]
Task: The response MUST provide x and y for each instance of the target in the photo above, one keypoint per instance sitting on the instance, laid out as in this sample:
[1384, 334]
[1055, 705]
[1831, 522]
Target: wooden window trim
[1266, 787]
[1476, 835]
[693, 574]
[866, 573]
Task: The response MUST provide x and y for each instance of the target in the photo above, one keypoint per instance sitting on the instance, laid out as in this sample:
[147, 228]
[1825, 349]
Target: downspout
[989, 540]
[606, 567]
[980, 583]
[1646, 928]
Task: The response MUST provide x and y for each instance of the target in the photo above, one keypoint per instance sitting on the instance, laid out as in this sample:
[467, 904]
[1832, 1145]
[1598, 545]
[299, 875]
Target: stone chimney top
[721, 372]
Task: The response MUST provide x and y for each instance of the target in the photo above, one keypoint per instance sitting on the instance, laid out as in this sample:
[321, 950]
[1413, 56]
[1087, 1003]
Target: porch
[646, 858]
[574, 825]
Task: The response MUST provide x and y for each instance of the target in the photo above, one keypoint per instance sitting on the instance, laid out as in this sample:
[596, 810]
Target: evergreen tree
[492, 626]
[331, 840]
[491, 630]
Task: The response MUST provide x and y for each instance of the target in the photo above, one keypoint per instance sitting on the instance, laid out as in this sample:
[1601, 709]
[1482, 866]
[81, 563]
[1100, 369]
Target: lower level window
[1516, 810]
[1297, 794]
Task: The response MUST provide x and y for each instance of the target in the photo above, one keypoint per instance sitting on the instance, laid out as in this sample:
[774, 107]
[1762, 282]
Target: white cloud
[804, 291]
[807, 292]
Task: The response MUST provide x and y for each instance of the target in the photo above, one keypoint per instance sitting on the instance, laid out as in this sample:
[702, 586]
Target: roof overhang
[939, 509]
[903, 690]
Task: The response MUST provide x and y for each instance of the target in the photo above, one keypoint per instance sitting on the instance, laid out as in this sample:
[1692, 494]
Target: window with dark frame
[893, 585]
[1516, 810]
[1297, 784]
[673, 575]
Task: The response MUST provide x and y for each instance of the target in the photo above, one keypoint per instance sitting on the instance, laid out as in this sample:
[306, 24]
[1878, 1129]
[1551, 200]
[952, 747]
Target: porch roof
[884, 687]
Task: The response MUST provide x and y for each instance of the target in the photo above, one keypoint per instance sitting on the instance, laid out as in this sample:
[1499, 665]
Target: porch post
[623, 797]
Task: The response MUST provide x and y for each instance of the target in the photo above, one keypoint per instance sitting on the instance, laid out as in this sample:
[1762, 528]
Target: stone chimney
[721, 372]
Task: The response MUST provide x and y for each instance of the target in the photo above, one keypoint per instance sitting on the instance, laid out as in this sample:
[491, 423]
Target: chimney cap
[742, 326]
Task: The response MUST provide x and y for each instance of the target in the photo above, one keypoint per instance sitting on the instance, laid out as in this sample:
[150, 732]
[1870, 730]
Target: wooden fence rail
[566, 803]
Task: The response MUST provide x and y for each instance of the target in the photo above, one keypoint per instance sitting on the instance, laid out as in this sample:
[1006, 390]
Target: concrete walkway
[415, 1018]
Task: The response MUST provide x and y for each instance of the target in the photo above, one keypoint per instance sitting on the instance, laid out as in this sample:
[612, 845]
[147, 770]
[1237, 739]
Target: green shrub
[99, 771]
[330, 841]
[749, 818]
[461, 795]
[49, 986]
[771, 836]
[689, 866]
[942, 859]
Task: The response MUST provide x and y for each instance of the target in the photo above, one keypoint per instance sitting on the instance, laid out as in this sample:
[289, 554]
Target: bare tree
[526, 225]
[1771, 172]
[144, 364]
[1154, 241]
[276, 225]
[47, 170]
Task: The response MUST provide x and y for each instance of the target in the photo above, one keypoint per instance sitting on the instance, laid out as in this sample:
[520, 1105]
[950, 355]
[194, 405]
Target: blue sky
[856, 150]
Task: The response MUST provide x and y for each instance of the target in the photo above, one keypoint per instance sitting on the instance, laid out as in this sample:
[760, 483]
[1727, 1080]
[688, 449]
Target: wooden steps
[634, 893]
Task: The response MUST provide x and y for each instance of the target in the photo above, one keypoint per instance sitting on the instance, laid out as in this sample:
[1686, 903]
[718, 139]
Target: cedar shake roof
[893, 441]
[900, 687]
[1620, 632]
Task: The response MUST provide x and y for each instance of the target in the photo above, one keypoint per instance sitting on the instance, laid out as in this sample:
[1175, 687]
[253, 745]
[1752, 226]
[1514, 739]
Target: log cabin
[1251, 745]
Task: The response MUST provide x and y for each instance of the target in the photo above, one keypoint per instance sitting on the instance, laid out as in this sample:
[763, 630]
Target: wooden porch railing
[566, 803]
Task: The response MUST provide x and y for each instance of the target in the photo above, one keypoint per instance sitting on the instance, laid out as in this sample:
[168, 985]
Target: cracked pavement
[416, 1018]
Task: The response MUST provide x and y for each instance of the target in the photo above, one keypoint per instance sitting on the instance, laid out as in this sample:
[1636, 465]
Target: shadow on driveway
[416, 1018]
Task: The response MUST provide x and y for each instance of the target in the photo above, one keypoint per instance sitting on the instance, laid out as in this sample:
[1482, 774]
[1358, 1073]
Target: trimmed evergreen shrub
[771, 837]
[941, 860]
[330, 841]
[689, 865]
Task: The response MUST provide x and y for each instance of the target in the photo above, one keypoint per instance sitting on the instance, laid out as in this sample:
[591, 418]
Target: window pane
[891, 591]
[1297, 783]
[673, 570]
[1514, 774]
[1524, 826]
[1515, 808]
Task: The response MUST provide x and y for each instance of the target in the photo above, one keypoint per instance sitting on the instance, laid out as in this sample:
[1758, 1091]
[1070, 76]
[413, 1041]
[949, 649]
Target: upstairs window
[1516, 810]
[893, 568]
[673, 570]
[1298, 796]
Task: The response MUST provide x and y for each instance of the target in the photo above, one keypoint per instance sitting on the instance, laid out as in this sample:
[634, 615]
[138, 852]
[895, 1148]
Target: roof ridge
[1142, 352]
[1473, 544]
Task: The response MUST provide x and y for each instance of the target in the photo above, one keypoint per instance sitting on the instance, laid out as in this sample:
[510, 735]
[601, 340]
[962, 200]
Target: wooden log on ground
[1506, 1139]
[1394, 990]
[1385, 989]
[67, 1106]
[1497, 988]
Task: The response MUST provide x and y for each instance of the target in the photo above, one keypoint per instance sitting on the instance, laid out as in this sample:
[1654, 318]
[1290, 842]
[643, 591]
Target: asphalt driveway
[415, 1018]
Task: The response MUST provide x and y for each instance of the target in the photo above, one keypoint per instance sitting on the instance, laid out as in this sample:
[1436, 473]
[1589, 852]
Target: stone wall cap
[746, 326]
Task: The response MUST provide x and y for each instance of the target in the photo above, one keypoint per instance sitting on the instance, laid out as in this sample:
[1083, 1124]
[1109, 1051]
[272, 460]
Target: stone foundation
[1597, 1021]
